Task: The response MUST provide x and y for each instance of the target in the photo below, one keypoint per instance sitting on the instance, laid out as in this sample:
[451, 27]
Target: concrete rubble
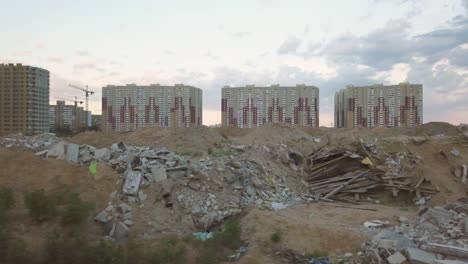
[36, 142]
[437, 235]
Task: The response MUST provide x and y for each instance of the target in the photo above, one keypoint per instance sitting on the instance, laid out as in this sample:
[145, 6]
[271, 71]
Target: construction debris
[438, 233]
[335, 174]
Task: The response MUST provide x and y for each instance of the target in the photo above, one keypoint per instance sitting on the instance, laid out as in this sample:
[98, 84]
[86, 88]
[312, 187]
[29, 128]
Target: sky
[212, 43]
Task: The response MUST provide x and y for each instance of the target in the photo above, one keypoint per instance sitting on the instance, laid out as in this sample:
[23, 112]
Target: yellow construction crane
[86, 90]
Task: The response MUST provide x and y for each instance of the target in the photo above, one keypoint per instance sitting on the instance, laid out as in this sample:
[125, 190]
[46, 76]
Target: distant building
[96, 121]
[24, 99]
[126, 108]
[251, 106]
[379, 106]
[67, 117]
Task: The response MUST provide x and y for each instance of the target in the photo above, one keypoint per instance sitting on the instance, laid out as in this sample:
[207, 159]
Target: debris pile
[338, 173]
[437, 235]
[36, 142]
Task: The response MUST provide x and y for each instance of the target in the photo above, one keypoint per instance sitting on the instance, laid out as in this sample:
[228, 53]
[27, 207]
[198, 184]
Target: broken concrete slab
[72, 153]
[455, 152]
[447, 250]
[207, 221]
[141, 196]
[418, 256]
[439, 214]
[124, 208]
[102, 154]
[402, 240]
[102, 217]
[278, 206]
[158, 173]
[128, 222]
[127, 216]
[120, 231]
[396, 258]
[447, 261]
[386, 243]
[132, 182]
[41, 153]
[57, 151]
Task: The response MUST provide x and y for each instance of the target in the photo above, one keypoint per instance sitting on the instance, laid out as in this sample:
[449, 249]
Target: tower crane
[87, 92]
[76, 102]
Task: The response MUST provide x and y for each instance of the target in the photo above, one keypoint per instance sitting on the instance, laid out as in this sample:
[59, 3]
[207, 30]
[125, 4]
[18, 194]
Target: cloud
[210, 55]
[84, 66]
[438, 59]
[459, 56]
[465, 3]
[289, 46]
[381, 48]
[241, 34]
[55, 59]
[83, 53]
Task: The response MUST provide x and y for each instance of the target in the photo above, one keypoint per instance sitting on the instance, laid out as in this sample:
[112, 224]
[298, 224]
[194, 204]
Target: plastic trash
[93, 168]
[203, 236]
[239, 252]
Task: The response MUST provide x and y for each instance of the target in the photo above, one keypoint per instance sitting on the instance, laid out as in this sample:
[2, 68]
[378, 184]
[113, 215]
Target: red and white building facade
[251, 106]
[398, 105]
[130, 107]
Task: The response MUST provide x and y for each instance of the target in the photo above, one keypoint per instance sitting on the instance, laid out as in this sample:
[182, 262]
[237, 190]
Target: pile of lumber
[333, 175]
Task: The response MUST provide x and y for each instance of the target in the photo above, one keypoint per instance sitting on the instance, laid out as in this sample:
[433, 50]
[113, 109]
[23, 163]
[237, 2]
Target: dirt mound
[312, 228]
[274, 134]
[180, 140]
[437, 128]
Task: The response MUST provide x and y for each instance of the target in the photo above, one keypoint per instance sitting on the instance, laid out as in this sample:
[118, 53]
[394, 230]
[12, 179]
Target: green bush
[76, 210]
[79, 250]
[40, 205]
[231, 235]
[7, 199]
[13, 251]
[171, 250]
[210, 150]
[276, 237]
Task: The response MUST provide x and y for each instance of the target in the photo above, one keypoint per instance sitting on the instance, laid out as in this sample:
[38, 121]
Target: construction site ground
[332, 227]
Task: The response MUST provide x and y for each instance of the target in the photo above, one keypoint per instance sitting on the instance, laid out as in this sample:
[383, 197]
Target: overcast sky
[212, 43]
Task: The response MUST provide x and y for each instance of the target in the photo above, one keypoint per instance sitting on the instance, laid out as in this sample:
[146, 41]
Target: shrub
[40, 205]
[171, 250]
[210, 150]
[276, 237]
[231, 235]
[7, 199]
[76, 210]
[12, 250]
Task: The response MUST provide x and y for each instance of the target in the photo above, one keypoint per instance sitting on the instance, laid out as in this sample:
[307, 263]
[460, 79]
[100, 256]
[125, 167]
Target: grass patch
[7, 198]
[222, 153]
[40, 205]
[76, 210]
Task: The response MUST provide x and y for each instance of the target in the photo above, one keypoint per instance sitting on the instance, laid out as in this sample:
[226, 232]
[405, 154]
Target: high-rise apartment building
[67, 117]
[126, 108]
[379, 106]
[24, 99]
[251, 106]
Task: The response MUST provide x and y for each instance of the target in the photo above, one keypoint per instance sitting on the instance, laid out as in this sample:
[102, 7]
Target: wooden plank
[419, 182]
[337, 189]
[394, 190]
